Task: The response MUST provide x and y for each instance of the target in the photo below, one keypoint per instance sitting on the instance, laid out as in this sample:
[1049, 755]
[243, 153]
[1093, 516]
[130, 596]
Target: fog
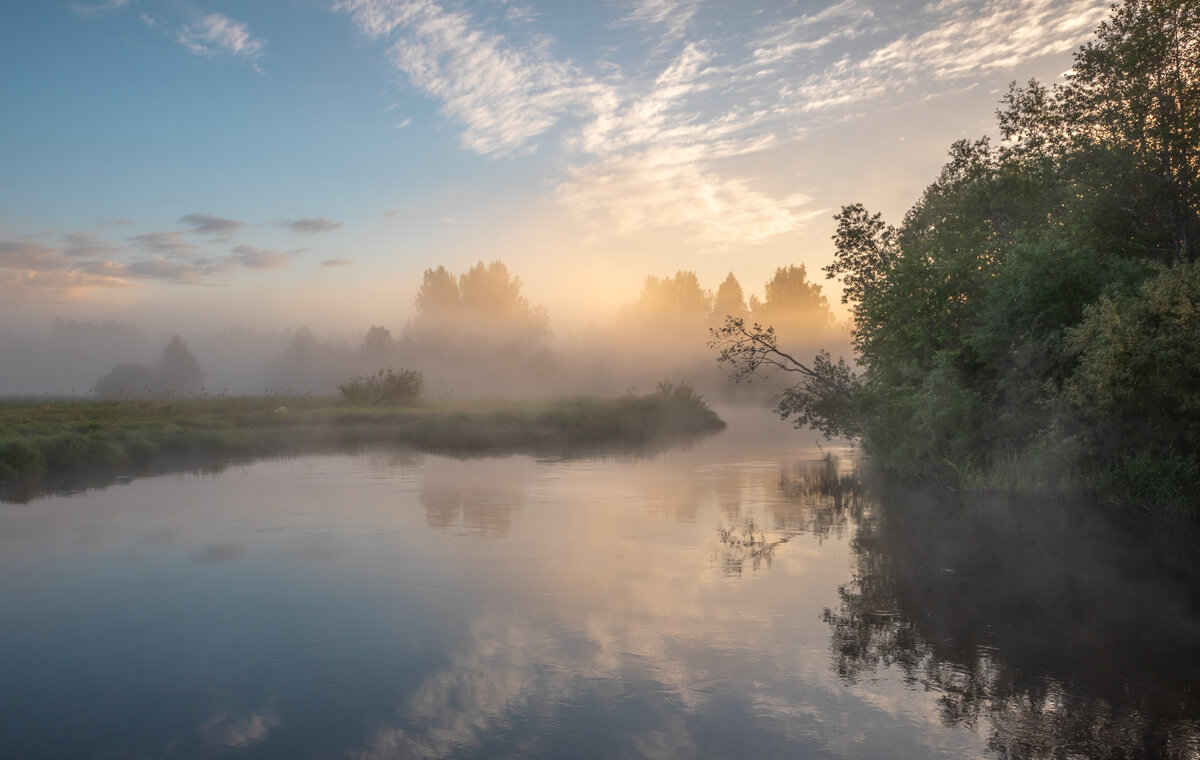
[474, 333]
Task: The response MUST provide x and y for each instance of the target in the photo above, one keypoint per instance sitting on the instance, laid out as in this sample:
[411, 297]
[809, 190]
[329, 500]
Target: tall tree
[178, 370]
[795, 306]
[729, 300]
[1036, 287]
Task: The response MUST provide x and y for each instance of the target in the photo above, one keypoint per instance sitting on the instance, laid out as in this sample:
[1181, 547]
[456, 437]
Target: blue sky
[180, 162]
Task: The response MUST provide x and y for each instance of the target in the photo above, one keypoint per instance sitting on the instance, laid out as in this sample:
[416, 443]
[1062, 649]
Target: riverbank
[44, 441]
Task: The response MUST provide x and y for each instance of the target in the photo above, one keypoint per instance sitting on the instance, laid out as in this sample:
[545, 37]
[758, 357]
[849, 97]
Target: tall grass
[40, 440]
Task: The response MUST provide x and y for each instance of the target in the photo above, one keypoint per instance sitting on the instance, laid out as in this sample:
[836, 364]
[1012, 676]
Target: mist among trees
[474, 333]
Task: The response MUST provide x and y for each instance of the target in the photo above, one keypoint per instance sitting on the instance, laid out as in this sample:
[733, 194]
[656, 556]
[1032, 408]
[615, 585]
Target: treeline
[477, 334]
[1035, 318]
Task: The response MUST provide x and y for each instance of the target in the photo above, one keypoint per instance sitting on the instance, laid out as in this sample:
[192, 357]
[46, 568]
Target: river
[739, 597]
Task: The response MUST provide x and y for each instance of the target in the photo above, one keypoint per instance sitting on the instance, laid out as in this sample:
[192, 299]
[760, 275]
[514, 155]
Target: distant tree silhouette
[671, 301]
[483, 304]
[178, 370]
[127, 380]
[729, 301]
[377, 343]
[437, 300]
[795, 306]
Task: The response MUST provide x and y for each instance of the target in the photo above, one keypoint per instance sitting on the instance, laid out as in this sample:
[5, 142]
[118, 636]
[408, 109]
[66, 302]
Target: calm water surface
[737, 599]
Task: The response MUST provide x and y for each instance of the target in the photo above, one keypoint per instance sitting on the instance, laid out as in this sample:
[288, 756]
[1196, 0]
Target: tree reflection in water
[824, 497]
[1063, 631]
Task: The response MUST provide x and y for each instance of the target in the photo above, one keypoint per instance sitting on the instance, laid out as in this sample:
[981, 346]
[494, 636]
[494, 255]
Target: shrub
[1138, 379]
[387, 386]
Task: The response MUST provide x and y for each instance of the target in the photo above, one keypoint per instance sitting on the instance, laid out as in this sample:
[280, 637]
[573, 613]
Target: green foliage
[1137, 383]
[387, 386]
[1042, 293]
[677, 408]
[826, 394]
[20, 457]
[1153, 480]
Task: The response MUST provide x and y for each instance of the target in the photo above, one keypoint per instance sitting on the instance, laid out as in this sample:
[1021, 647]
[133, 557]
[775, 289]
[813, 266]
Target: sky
[204, 164]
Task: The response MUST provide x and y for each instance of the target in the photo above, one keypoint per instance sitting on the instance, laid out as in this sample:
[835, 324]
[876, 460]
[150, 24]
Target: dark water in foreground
[739, 599]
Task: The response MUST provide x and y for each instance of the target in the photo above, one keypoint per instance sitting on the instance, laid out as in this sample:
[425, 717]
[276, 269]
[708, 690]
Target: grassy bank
[44, 441]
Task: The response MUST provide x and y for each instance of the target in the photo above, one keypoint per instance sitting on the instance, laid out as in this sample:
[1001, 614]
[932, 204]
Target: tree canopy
[1040, 295]
[484, 303]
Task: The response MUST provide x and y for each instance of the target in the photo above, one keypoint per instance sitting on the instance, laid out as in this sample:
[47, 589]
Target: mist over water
[745, 595]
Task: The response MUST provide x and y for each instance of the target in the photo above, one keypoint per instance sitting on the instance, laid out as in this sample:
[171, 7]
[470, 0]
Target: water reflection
[226, 729]
[481, 495]
[1059, 631]
[821, 497]
[396, 605]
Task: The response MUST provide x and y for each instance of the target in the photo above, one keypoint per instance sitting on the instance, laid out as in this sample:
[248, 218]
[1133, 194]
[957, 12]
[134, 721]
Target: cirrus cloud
[217, 33]
[644, 150]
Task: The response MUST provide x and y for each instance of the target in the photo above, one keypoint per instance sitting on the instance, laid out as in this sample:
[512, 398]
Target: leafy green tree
[1138, 377]
[995, 317]
[1135, 90]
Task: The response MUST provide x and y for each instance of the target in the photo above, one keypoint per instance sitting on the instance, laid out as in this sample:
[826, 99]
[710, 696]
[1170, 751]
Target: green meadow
[54, 440]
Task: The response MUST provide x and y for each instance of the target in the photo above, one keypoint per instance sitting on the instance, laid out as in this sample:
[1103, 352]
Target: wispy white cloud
[809, 33]
[667, 19]
[504, 95]
[655, 164]
[661, 150]
[948, 43]
[217, 33]
[668, 187]
[641, 157]
[337, 262]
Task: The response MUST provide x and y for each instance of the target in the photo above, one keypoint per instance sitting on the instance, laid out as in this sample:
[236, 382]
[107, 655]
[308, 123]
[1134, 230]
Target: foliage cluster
[1042, 293]
[387, 386]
